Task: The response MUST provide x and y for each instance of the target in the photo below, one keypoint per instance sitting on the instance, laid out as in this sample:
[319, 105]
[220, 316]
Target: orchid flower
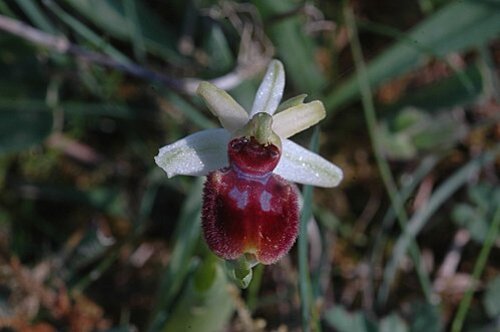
[249, 205]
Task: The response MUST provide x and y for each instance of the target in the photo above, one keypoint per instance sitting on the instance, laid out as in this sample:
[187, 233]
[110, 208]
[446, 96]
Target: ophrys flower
[249, 205]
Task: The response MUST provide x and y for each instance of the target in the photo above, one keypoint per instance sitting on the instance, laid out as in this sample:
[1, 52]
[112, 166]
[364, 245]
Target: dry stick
[185, 85]
[448, 268]
[62, 45]
[450, 263]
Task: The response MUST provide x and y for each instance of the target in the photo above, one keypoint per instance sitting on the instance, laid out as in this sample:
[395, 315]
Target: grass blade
[420, 218]
[385, 172]
[87, 33]
[110, 15]
[442, 33]
[476, 273]
[187, 235]
[425, 167]
[36, 15]
[305, 288]
[135, 30]
[294, 47]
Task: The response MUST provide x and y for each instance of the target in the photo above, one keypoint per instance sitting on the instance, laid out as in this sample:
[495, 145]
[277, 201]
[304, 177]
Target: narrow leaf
[438, 35]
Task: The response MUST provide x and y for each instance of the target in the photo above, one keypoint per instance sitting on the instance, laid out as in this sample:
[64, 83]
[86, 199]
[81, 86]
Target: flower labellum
[250, 205]
[248, 209]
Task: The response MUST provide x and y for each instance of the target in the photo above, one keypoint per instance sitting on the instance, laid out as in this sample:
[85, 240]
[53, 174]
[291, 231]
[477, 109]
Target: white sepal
[230, 114]
[298, 118]
[300, 165]
[196, 154]
[270, 90]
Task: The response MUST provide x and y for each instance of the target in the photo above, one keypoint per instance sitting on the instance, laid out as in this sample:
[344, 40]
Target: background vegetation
[93, 236]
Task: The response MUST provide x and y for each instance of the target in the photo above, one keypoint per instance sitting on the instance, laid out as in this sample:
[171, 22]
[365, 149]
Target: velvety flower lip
[206, 151]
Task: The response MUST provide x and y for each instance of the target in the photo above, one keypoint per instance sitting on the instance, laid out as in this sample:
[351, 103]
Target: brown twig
[447, 278]
[58, 44]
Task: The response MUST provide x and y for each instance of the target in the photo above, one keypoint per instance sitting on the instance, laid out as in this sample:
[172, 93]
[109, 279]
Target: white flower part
[206, 151]
[270, 91]
[196, 154]
[297, 164]
[230, 114]
[298, 118]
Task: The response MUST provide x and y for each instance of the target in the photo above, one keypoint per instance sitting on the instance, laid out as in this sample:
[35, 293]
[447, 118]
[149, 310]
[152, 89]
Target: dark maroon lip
[248, 210]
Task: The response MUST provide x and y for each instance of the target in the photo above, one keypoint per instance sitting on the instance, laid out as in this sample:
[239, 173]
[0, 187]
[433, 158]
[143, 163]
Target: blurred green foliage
[477, 215]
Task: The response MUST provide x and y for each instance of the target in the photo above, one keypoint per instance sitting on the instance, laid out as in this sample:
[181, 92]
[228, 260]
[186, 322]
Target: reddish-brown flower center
[248, 157]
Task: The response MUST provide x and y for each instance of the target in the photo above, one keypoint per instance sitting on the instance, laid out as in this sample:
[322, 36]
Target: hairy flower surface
[246, 208]
[249, 205]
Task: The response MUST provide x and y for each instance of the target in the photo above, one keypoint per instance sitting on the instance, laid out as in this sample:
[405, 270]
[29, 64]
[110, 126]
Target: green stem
[385, 172]
[476, 273]
[305, 290]
[253, 290]
[304, 278]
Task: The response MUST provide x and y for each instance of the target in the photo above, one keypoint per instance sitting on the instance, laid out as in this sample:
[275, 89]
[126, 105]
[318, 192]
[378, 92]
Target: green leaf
[36, 15]
[220, 59]
[466, 216]
[446, 93]
[393, 323]
[414, 130]
[477, 216]
[205, 275]
[438, 35]
[421, 217]
[396, 145]
[81, 29]
[426, 317]
[208, 310]
[491, 299]
[111, 16]
[294, 47]
[21, 129]
[187, 235]
[71, 108]
[343, 321]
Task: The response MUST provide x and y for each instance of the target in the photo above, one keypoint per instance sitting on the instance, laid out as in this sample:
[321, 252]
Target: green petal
[230, 114]
[298, 118]
[300, 165]
[196, 154]
[270, 90]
